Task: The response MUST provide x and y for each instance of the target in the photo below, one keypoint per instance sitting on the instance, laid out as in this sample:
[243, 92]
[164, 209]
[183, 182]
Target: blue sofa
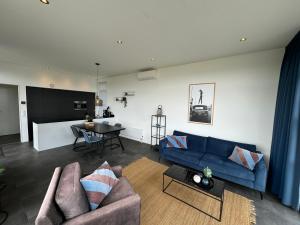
[214, 153]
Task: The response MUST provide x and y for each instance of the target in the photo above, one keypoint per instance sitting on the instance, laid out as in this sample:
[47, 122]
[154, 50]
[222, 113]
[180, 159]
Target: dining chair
[101, 135]
[112, 136]
[92, 139]
[77, 134]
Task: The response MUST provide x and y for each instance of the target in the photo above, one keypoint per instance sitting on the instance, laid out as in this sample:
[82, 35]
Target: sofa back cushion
[49, 213]
[224, 148]
[70, 195]
[195, 143]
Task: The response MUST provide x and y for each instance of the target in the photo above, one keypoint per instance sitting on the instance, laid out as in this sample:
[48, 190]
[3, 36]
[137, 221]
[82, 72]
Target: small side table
[158, 130]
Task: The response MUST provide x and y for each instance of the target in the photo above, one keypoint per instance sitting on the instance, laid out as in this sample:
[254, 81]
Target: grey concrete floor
[28, 174]
[6, 139]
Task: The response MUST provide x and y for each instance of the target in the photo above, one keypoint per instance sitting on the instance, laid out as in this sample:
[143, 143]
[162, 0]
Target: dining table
[103, 130]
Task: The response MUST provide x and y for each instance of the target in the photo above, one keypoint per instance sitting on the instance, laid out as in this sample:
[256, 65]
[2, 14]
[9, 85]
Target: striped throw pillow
[176, 142]
[98, 184]
[245, 158]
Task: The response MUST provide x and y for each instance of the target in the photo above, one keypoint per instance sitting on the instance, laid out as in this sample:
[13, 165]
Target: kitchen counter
[57, 134]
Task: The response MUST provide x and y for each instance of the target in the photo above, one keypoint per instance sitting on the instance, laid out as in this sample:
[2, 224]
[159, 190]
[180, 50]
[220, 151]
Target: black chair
[78, 134]
[112, 136]
[90, 140]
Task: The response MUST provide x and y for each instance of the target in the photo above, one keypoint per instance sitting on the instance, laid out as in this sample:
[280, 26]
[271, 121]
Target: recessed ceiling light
[152, 59]
[120, 42]
[243, 39]
[45, 2]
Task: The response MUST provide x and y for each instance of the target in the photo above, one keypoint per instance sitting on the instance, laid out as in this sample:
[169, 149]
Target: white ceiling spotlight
[152, 59]
[243, 39]
[46, 2]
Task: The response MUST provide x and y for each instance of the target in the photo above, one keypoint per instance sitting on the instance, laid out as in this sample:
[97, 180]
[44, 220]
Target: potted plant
[2, 169]
[207, 176]
[89, 121]
[88, 118]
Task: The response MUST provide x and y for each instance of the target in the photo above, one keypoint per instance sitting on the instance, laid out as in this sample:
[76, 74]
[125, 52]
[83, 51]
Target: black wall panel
[45, 105]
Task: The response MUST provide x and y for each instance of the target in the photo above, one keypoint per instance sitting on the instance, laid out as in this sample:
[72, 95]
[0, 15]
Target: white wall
[36, 75]
[9, 110]
[246, 89]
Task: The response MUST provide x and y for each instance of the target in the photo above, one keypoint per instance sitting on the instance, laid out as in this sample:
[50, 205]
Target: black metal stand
[158, 129]
[221, 200]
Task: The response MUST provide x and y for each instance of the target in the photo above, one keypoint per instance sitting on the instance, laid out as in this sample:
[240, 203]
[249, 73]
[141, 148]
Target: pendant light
[98, 101]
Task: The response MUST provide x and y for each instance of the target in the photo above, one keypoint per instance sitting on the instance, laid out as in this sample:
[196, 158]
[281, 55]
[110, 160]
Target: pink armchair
[121, 207]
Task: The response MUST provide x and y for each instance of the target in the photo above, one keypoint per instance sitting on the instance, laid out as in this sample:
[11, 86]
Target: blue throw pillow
[98, 184]
[176, 141]
[245, 158]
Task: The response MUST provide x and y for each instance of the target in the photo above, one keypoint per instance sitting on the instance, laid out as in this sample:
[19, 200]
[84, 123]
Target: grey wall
[9, 110]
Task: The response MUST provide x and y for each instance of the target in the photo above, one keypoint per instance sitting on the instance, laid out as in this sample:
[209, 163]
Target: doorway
[9, 114]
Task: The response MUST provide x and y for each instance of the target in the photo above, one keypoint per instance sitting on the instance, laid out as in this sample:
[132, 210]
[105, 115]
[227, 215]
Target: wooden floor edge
[252, 213]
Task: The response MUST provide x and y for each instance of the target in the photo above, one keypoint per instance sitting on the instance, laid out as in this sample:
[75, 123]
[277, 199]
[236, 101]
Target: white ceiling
[73, 34]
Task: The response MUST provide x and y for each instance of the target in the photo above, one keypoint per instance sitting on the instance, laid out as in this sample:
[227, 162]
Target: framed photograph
[201, 103]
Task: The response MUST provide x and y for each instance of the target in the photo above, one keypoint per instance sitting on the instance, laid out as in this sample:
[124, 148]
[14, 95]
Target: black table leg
[102, 148]
[1, 151]
[74, 144]
[122, 146]
[221, 207]
[3, 214]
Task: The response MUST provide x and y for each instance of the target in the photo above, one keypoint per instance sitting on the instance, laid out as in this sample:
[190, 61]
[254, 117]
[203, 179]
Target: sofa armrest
[162, 145]
[123, 212]
[117, 171]
[261, 175]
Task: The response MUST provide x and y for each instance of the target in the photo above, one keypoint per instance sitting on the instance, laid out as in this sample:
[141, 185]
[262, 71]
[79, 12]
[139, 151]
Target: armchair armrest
[123, 212]
[117, 171]
[261, 176]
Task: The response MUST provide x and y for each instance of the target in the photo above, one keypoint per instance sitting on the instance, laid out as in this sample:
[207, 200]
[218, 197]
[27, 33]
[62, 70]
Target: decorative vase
[89, 124]
[205, 181]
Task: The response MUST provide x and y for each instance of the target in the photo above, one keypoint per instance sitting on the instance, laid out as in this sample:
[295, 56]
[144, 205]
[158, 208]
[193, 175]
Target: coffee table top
[180, 174]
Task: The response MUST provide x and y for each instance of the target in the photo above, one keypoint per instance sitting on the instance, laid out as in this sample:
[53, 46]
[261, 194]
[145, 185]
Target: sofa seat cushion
[189, 157]
[225, 166]
[186, 155]
[121, 190]
[70, 196]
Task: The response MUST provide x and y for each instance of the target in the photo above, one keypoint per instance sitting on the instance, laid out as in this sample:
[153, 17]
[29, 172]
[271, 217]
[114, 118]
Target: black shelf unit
[158, 129]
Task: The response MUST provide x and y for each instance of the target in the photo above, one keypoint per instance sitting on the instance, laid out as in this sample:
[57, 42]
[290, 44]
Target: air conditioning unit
[147, 75]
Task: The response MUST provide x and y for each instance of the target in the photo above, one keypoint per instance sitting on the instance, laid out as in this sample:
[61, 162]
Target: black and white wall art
[201, 102]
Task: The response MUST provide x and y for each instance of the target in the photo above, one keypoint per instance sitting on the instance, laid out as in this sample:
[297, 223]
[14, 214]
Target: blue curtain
[284, 168]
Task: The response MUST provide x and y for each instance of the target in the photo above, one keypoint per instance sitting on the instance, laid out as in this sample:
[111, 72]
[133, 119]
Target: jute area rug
[159, 208]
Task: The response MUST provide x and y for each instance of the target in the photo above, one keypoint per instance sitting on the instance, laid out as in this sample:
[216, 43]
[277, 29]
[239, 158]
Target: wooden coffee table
[179, 175]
